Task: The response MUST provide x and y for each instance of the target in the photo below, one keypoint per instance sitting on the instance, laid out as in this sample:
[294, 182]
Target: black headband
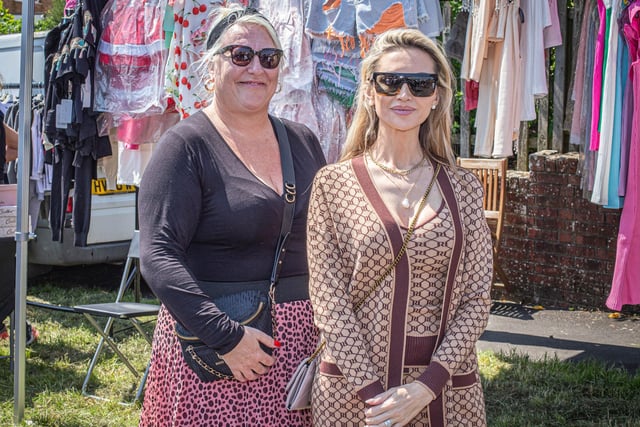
[226, 22]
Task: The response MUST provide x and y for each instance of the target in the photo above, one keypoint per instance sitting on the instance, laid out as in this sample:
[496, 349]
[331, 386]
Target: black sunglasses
[243, 55]
[420, 84]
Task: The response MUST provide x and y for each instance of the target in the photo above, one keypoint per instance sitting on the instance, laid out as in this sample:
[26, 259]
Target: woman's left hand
[398, 405]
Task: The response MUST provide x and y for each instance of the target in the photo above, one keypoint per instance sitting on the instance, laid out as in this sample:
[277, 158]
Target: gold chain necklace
[394, 171]
[405, 200]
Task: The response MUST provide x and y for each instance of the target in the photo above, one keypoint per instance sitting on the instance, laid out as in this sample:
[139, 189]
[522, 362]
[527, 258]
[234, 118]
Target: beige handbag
[298, 389]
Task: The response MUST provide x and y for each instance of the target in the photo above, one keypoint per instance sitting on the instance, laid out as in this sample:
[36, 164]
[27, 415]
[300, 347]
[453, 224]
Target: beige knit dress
[398, 335]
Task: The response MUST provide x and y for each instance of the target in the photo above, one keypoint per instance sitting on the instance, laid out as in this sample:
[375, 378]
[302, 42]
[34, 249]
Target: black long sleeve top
[205, 217]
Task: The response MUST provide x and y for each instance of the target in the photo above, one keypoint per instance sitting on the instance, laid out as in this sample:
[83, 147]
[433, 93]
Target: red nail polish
[277, 343]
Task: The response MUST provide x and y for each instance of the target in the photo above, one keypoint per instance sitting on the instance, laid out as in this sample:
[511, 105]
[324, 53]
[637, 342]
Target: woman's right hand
[247, 360]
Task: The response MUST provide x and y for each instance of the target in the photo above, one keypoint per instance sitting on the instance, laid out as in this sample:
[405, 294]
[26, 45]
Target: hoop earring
[209, 85]
[279, 87]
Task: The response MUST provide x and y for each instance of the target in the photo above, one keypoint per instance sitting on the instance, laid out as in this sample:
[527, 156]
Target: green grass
[58, 362]
[549, 392]
[518, 391]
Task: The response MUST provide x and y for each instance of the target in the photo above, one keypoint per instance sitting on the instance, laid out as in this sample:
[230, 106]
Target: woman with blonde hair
[215, 203]
[400, 254]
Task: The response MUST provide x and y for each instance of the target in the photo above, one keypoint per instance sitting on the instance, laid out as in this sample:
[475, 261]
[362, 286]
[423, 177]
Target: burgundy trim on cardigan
[401, 285]
[436, 412]
[465, 380]
[448, 195]
[435, 377]
[457, 381]
[418, 350]
[372, 390]
[329, 368]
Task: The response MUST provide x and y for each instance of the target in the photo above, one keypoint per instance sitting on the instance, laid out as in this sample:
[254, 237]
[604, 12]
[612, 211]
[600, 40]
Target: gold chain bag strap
[298, 389]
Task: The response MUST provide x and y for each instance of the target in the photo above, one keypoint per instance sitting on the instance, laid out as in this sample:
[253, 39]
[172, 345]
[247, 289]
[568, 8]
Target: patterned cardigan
[398, 335]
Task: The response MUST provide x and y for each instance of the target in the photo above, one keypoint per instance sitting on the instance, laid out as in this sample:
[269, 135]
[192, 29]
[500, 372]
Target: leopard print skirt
[174, 396]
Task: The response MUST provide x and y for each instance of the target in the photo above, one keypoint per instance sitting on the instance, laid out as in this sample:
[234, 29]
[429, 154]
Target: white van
[112, 212]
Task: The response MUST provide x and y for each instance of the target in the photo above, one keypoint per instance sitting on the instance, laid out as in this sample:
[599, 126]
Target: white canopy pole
[22, 219]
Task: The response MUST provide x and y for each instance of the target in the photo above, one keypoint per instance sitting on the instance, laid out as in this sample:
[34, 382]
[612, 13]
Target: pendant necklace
[386, 170]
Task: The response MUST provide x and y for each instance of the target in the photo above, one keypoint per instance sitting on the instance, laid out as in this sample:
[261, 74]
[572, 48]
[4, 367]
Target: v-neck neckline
[376, 199]
[279, 193]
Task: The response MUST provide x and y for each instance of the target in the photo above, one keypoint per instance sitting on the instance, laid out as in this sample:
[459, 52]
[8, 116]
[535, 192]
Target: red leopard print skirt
[174, 396]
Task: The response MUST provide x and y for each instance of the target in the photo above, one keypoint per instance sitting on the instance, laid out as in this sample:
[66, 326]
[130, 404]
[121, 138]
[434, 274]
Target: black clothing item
[69, 167]
[3, 148]
[205, 217]
[7, 276]
[78, 146]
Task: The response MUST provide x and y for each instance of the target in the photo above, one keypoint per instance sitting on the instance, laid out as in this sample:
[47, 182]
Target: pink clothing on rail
[625, 288]
[553, 33]
[597, 78]
[471, 89]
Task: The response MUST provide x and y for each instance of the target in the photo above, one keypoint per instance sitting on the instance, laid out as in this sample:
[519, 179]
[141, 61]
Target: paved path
[569, 335]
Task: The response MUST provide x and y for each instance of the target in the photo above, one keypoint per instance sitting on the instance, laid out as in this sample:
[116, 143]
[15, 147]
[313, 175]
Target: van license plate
[99, 187]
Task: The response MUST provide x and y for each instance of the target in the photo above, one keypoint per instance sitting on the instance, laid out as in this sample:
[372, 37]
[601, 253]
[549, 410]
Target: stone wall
[558, 248]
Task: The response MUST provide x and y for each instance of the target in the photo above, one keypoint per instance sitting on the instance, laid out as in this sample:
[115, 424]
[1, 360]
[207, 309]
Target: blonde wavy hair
[435, 132]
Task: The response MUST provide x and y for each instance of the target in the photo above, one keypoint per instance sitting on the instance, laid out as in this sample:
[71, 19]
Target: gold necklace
[405, 200]
[394, 171]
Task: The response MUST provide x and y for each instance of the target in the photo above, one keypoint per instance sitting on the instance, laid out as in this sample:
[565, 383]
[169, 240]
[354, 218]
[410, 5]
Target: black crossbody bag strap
[289, 180]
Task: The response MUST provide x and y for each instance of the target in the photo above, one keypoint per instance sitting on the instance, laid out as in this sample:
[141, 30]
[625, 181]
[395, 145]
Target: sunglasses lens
[390, 84]
[422, 86]
[242, 56]
[269, 58]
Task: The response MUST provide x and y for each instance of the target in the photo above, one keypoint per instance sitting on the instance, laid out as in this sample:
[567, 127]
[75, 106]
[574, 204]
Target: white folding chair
[119, 310]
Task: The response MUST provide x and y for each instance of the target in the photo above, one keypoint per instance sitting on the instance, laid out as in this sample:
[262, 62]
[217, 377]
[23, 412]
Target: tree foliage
[52, 18]
[9, 24]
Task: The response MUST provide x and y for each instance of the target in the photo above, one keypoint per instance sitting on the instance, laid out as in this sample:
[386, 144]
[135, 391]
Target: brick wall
[15, 6]
[558, 248]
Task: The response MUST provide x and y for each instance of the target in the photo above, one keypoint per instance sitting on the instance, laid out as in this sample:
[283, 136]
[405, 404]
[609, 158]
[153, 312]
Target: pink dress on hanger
[597, 78]
[626, 276]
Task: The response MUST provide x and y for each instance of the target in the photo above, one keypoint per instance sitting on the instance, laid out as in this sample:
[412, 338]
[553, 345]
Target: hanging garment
[477, 39]
[336, 71]
[332, 124]
[70, 120]
[497, 123]
[627, 107]
[597, 77]
[132, 162]
[292, 101]
[578, 80]
[625, 288]
[605, 146]
[553, 33]
[534, 71]
[355, 24]
[588, 164]
[191, 24]
[614, 200]
[131, 59]
[507, 124]
[430, 20]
